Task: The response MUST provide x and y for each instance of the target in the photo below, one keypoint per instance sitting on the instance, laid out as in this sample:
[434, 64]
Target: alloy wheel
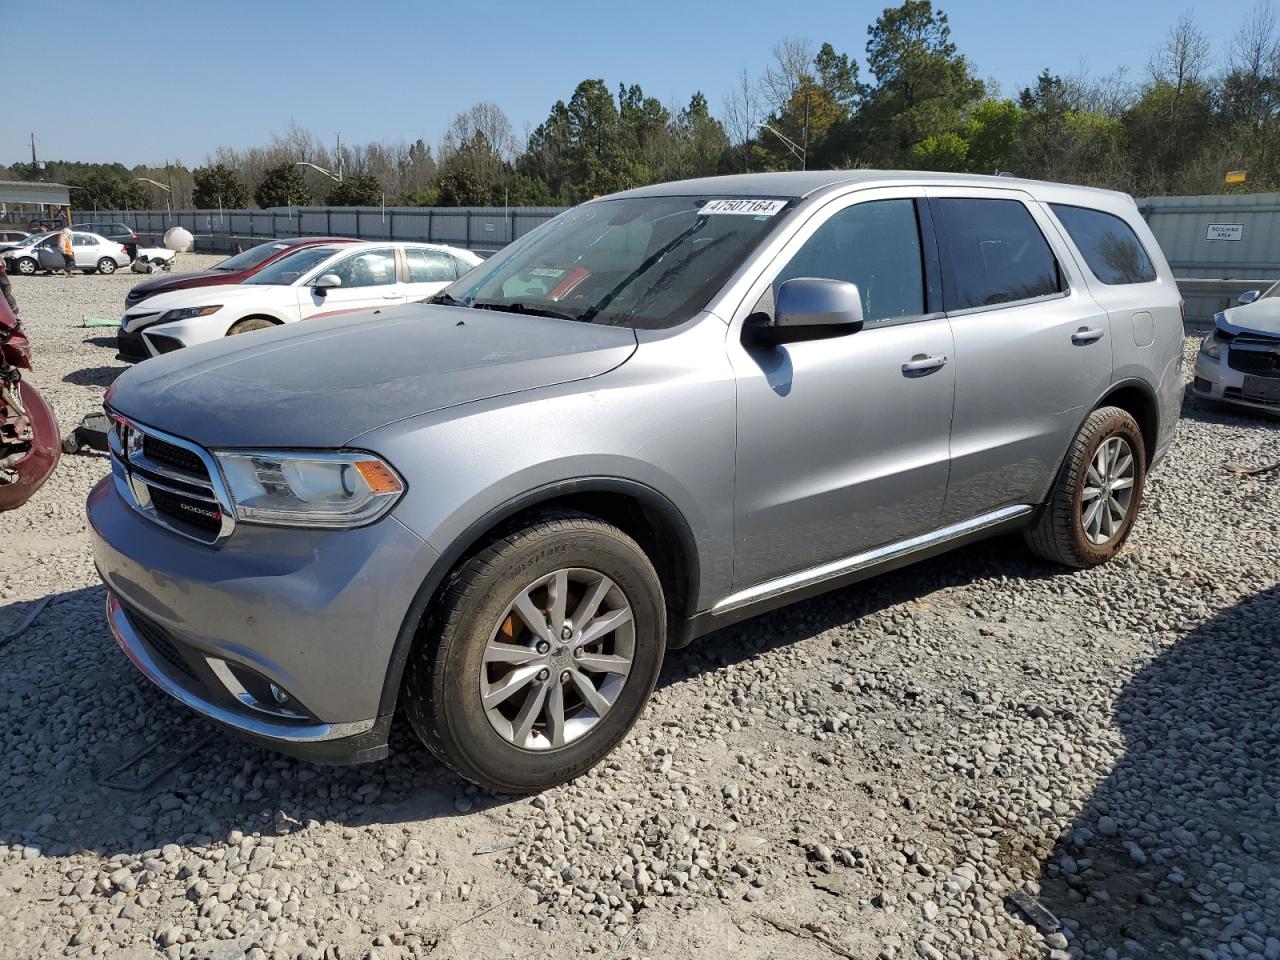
[1108, 491]
[557, 659]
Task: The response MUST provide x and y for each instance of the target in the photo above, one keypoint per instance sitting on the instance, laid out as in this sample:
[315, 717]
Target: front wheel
[27, 267]
[106, 265]
[248, 325]
[539, 655]
[1095, 500]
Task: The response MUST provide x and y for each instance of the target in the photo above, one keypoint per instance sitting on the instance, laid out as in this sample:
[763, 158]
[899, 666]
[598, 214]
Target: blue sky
[149, 82]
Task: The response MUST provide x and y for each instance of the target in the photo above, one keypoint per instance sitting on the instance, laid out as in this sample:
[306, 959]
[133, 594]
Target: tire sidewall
[106, 265]
[1116, 423]
[27, 267]
[457, 680]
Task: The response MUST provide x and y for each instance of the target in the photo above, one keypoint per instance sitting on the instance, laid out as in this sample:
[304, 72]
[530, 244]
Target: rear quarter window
[1109, 246]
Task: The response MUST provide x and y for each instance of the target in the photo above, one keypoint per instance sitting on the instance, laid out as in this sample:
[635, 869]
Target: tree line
[1176, 129]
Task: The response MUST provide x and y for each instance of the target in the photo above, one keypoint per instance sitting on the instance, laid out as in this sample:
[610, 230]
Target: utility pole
[338, 156]
[804, 143]
[33, 151]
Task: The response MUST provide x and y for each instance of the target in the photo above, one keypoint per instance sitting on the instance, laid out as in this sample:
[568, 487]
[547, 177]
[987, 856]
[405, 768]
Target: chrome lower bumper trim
[135, 649]
[837, 568]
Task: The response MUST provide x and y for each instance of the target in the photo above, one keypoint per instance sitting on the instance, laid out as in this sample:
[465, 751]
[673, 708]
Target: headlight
[309, 489]
[1211, 346]
[186, 313]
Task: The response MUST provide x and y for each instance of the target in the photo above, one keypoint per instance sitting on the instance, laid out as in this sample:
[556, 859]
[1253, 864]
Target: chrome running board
[871, 558]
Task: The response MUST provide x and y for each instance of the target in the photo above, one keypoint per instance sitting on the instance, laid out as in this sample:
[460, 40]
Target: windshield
[251, 257]
[642, 262]
[289, 268]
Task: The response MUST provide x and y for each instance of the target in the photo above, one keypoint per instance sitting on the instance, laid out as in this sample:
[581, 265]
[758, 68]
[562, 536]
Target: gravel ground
[868, 774]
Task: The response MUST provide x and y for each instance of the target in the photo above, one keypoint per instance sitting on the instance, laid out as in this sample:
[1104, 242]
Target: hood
[321, 383]
[1262, 317]
[171, 281]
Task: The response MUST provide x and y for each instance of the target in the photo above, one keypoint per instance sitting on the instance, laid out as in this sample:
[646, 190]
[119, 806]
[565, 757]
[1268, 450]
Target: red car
[232, 270]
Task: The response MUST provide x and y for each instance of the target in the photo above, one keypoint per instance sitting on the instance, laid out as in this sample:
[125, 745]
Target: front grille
[172, 455]
[166, 479]
[1259, 363]
[187, 510]
[158, 639]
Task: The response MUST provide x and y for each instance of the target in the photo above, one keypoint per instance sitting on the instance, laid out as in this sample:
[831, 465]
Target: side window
[368, 268]
[429, 266]
[993, 253]
[82, 240]
[1108, 244]
[461, 266]
[875, 245]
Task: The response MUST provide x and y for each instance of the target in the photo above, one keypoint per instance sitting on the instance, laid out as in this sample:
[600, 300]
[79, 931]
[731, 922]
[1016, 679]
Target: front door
[843, 442]
[368, 280]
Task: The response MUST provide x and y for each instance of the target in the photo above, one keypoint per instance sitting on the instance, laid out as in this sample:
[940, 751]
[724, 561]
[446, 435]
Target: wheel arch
[258, 315]
[1138, 399]
[637, 509]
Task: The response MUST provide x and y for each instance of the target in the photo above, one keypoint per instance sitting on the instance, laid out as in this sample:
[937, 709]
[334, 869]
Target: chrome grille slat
[170, 481]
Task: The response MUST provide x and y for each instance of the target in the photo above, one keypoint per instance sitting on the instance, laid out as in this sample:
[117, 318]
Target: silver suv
[657, 414]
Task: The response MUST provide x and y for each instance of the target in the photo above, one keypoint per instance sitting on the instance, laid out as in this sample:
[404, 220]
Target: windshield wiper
[447, 299]
[519, 307]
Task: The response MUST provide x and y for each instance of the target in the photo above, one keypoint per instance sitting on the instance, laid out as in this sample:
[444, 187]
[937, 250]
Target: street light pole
[168, 210]
[797, 151]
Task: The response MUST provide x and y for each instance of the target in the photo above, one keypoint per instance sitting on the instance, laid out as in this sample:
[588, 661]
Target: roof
[806, 182]
[28, 191]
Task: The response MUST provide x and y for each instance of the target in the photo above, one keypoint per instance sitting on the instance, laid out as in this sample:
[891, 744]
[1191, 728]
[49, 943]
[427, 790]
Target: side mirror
[327, 281]
[1248, 296]
[809, 308]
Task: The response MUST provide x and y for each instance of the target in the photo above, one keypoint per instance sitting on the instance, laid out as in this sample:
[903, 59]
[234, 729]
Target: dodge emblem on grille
[192, 508]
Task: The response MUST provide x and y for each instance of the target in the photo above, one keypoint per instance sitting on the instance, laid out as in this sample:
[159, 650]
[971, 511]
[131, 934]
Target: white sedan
[314, 280]
[93, 254]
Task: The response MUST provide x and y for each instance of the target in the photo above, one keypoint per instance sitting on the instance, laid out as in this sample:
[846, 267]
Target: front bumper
[312, 614]
[1216, 380]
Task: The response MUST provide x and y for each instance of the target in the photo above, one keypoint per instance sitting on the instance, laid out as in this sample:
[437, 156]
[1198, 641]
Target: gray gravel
[869, 774]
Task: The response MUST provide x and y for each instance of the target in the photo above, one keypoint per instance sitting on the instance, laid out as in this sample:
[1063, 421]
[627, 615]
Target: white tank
[178, 239]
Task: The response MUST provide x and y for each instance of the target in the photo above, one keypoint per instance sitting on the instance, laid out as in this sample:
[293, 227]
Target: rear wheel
[27, 267]
[249, 324]
[1095, 500]
[106, 265]
[539, 655]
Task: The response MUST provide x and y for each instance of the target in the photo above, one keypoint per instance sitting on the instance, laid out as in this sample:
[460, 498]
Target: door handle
[921, 363]
[392, 296]
[1087, 335]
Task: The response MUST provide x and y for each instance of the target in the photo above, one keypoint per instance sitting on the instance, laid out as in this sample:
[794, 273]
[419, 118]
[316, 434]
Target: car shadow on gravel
[94, 376]
[1177, 852]
[1005, 556]
[107, 341]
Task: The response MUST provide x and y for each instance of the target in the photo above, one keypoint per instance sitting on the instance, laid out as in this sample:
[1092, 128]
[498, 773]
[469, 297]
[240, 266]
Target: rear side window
[429, 266]
[1108, 244]
[875, 245]
[994, 253]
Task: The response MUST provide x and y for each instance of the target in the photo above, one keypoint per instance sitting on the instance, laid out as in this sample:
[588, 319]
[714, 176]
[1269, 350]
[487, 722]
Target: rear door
[1032, 347]
[368, 280]
[86, 250]
[429, 272]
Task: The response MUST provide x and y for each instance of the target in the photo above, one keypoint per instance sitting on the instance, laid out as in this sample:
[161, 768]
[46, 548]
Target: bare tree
[487, 119]
[1184, 59]
[742, 109]
[791, 67]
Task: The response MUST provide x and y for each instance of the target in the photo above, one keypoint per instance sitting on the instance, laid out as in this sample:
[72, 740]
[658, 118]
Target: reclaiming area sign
[1225, 231]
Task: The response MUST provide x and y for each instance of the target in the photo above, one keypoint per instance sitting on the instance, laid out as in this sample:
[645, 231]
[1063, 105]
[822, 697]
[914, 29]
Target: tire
[106, 265]
[250, 324]
[27, 267]
[1078, 525]
[453, 661]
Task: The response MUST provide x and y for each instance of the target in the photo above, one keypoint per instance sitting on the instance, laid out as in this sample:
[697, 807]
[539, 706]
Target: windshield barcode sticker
[744, 205]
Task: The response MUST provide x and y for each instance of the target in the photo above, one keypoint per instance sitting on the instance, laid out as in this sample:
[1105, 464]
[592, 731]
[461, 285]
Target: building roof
[27, 191]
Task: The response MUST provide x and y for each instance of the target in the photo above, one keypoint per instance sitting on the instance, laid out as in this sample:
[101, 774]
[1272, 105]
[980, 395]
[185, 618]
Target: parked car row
[662, 412]
[282, 282]
[93, 253]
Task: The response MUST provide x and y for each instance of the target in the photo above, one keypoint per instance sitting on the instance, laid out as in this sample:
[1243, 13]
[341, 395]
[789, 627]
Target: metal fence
[482, 229]
[1218, 246]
